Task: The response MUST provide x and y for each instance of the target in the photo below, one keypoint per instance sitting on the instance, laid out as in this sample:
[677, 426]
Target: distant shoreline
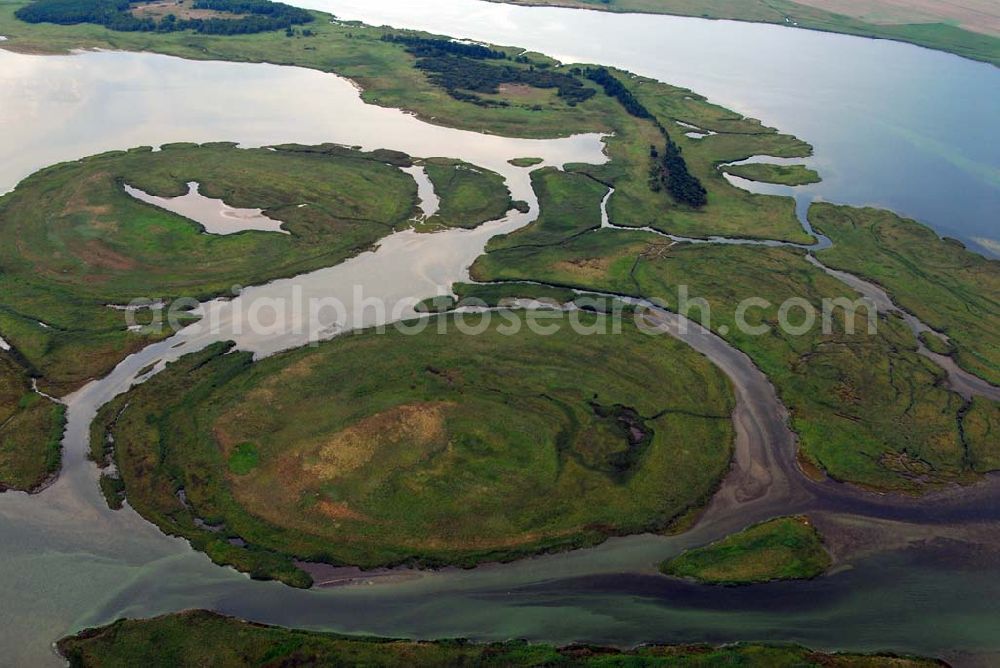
[936, 36]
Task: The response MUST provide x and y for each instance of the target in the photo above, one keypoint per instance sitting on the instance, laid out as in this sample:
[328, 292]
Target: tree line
[262, 16]
[669, 170]
[616, 89]
[426, 47]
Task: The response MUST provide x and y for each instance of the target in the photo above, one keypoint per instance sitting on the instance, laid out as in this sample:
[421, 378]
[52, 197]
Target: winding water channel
[66, 561]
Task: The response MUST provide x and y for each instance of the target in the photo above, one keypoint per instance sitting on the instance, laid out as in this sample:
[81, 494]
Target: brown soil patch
[596, 267]
[808, 468]
[275, 490]
[182, 9]
[339, 511]
[99, 255]
[520, 91]
[420, 424]
[79, 201]
[982, 16]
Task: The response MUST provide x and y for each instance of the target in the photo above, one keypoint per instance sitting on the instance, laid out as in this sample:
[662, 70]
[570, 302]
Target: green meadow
[470, 195]
[785, 175]
[950, 289]
[30, 430]
[868, 409]
[430, 449]
[786, 548]
[80, 242]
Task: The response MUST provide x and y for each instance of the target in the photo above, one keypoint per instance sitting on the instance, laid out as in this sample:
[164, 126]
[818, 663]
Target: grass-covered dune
[454, 448]
[950, 289]
[201, 638]
[78, 242]
[786, 548]
[868, 409]
[30, 430]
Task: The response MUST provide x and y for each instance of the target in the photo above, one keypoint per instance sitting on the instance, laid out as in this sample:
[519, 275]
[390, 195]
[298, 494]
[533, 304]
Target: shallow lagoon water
[214, 215]
[894, 125]
[68, 107]
[67, 562]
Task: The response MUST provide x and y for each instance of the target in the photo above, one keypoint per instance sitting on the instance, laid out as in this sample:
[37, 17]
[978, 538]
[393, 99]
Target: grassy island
[469, 195]
[785, 175]
[465, 448]
[787, 548]
[81, 242]
[526, 162]
[201, 638]
[569, 205]
[212, 17]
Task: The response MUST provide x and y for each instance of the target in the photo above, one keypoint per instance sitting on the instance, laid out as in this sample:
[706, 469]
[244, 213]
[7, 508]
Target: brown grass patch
[516, 90]
[99, 255]
[520, 540]
[420, 424]
[276, 489]
[79, 200]
[182, 9]
[339, 511]
[525, 94]
[596, 267]
[301, 369]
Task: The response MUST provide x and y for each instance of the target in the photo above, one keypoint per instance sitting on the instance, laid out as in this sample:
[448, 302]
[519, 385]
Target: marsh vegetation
[199, 638]
[380, 449]
[786, 548]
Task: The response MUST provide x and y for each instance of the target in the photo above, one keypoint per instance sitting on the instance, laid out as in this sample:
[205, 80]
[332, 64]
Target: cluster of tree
[616, 89]
[423, 47]
[260, 16]
[463, 70]
[671, 171]
[463, 77]
[72, 11]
